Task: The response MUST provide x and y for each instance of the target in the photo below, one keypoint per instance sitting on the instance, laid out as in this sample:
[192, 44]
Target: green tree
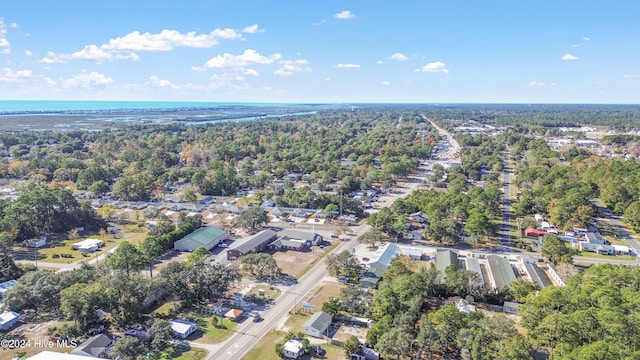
[514, 348]
[632, 215]
[342, 264]
[127, 348]
[351, 346]
[371, 238]
[127, 257]
[555, 250]
[521, 288]
[251, 219]
[198, 255]
[160, 333]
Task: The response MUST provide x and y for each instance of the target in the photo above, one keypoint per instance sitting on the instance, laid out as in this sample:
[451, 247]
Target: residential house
[207, 237]
[96, 346]
[418, 217]
[373, 275]
[531, 232]
[293, 349]
[36, 243]
[593, 242]
[6, 285]
[8, 319]
[251, 244]
[277, 213]
[182, 328]
[317, 325]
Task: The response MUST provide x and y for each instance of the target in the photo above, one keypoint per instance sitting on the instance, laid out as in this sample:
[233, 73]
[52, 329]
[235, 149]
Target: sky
[322, 51]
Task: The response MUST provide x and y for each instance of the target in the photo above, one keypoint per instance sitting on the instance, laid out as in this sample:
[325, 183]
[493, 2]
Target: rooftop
[250, 242]
[205, 235]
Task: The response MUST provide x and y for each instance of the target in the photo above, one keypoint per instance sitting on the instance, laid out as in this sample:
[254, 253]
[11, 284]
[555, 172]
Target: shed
[7, 285]
[317, 324]
[233, 314]
[293, 349]
[182, 328]
[207, 237]
[511, 307]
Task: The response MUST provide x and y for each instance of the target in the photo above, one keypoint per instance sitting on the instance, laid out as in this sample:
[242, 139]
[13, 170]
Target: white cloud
[399, 56]
[239, 62]
[632, 76]
[123, 47]
[386, 83]
[290, 67]
[3, 34]
[156, 81]
[347, 66]
[7, 75]
[6, 51]
[252, 29]
[319, 22]
[28, 53]
[575, 45]
[434, 67]
[344, 15]
[380, 62]
[536, 83]
[586, 38]
[87, 80]
[567, 57]
[13, 26]
[227, 77]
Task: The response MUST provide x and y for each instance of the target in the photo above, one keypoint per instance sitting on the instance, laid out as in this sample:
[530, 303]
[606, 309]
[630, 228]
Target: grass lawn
[297, 263]
[610, 257]
[211, 333]
[265, 349]
[193, 354]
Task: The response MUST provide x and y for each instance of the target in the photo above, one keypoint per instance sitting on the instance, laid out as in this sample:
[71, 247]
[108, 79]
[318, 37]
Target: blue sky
[321, 51]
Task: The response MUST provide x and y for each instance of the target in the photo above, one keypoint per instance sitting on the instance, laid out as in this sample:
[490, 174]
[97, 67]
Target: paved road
[616, 222]
[505, 230]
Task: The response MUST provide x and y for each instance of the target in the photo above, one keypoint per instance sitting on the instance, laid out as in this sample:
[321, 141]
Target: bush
[55, 256]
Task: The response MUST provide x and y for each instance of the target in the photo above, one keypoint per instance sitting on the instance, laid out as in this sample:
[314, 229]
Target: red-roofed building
[531, 232]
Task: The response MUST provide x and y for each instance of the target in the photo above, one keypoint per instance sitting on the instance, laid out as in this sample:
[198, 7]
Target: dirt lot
[295, 263]
[345, 331]
[35, 340]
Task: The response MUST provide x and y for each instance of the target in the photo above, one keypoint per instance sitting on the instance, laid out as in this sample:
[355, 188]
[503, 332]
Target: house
[317, 325]
[207, 200]
[8, 319]
[286, 243]
[511, 307]
[36, 243]
[293, 349]
[373, 275]
[306, 236]
[418, 217]
[233, 314]
[251, 244]
[183, 328]
[277, 213]
[6, 285]
[207, 237]
[269, 203]
[88, 245]
[96, 346]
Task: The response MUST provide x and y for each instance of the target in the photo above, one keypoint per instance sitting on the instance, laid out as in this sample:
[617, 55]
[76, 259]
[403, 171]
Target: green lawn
[209, 333]
[611, 257]
[265, 349]
[193, 354]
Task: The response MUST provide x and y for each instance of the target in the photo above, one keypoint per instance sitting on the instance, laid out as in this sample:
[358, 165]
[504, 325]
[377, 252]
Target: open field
[297, 263]
[265, 350]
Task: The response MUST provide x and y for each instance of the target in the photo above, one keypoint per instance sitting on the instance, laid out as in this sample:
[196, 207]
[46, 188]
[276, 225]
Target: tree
[370, 238]
[632, 215]
[395, 341]
[80, 301]
[344, 263]
[127, 348]
[555, 250]
[160, 334]
[127, 257]
[251, 219]
[521, 288]
[261, 265]
[332, 306]
[514, 348]
[198, 255]
[351, 346]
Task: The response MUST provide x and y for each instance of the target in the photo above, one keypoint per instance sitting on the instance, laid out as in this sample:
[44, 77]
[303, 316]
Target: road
[616, 222]
[505, 229]
[92, 260]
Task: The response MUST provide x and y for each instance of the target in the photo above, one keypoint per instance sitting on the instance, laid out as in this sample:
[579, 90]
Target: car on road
[257, 319]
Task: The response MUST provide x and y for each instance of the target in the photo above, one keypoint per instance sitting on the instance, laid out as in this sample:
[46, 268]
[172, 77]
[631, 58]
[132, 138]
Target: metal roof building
[501, 271]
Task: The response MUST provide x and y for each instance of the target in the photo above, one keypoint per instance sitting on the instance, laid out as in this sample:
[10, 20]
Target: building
[445, 258]
[182, 328]
[52, 355]
[7, 285]
[286, 243]
[373, 275]
[88, 245]
[531, 232]
[251, 244]
[207, 237]
[307, 236]
[96, 346]
[511, 307]
[8, 319]
[35, 243]
[501, 271]
[293, 349]
[317, 325]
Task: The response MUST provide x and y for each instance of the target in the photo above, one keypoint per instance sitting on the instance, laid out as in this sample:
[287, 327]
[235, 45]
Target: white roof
[293, 346]
[7, 316]
[181, 326]
[621, 248]
[4, 286]
[50, 355]
[87, 242]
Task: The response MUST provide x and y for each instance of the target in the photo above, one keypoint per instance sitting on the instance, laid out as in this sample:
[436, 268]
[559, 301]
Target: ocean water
[9, 107]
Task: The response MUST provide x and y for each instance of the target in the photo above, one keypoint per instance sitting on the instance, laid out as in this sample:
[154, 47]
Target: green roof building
[207, 237]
